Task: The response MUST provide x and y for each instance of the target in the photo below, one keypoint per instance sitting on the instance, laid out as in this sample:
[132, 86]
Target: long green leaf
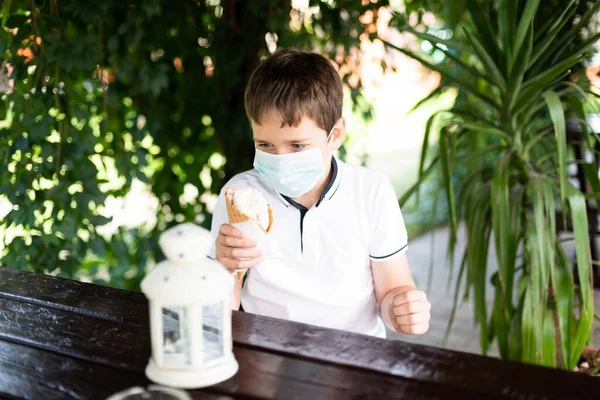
[435, 93]
[459, 280]
[501, 218]
[449, 43]
[505, 252]
[582, 332]
[549, 24]
[476, 120]
[515, 332]
[428, 128]
[486, 128]
[582, 249]
[499, 320]
[443, 45]
[487, 61]
[591, 174]
[583, 49]
[425, 146]
[540, 252]
[582, 245]
[529, 99]
[483, 28]
[414, 188]
[463, 158]
[477, 247]
[432, 225]
[538, 105]
[464, 83]
[564, 290]
[559, 44]
[446, 163]
[550, 36]
[528, 331]
[531, 142]
[557, 113]
[543, 80]
[575, 104]
[518, 69]
[507, 19]
[548, 342]
[516, 216]
[525, 28]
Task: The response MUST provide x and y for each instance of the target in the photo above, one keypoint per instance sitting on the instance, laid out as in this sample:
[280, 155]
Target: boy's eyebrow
[293, 141]
[298, 141]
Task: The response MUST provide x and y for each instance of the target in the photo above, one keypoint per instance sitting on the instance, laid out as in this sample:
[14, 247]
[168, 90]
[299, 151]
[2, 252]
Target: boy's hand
[234, 250]
[409, 312]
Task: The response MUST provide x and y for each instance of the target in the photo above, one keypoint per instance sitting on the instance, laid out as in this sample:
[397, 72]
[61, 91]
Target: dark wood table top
[67, 339]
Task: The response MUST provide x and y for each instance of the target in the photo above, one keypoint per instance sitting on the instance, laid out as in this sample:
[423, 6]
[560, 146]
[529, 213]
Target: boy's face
[272, 138]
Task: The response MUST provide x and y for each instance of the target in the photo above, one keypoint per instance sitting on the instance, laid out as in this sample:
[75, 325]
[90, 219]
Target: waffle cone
[236, 216]
[240, 275]
[233, 213]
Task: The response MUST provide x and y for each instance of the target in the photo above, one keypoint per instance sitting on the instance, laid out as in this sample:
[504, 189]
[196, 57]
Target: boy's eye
[297, 146]
[264, 145]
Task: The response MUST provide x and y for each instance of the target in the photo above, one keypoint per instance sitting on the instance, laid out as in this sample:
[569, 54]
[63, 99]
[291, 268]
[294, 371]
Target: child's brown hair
[297, 84]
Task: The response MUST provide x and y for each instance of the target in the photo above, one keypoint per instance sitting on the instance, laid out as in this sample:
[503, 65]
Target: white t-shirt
[323, 275]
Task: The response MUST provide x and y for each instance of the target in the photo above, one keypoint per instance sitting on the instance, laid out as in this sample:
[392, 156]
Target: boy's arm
[237, 293]
[403, 307]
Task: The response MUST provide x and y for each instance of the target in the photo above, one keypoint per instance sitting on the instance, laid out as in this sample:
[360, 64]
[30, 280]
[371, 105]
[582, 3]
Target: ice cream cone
[235, 216]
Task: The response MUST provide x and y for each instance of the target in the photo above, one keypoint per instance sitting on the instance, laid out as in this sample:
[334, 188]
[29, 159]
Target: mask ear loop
[327, 138]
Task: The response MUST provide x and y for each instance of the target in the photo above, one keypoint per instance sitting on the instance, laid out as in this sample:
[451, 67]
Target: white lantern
[190, 313]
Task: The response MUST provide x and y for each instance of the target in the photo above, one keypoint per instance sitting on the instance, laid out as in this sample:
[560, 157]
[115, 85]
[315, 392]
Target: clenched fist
[409, 311]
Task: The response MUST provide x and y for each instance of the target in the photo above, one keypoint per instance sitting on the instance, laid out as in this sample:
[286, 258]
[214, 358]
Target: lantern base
[192, 379]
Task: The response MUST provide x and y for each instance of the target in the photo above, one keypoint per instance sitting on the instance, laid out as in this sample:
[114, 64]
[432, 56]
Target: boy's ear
[338, 132]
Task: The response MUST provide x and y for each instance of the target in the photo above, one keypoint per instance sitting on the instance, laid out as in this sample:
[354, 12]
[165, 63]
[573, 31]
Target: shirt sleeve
[219, 218]
[388, 237]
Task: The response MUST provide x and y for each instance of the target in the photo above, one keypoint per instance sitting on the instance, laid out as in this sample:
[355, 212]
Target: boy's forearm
[237, 293]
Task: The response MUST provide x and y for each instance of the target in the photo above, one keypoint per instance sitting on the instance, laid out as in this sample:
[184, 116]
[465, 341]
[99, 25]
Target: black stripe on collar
[295, 203]
[334, 174]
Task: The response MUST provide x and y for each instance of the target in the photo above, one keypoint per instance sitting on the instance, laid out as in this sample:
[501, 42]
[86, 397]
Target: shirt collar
[330, 189]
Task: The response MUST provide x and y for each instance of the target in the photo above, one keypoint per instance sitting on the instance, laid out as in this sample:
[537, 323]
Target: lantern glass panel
[212, 331]
[176, 336]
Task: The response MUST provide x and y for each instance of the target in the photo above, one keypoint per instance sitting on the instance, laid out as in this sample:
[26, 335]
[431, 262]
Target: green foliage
[106, 93]
[507, 128]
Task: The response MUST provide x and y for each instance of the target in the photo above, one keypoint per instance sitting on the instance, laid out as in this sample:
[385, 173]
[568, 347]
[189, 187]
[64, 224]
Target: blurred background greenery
[119, 119]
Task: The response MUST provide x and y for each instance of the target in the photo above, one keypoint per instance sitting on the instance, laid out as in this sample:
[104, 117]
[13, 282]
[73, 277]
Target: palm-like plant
[513, 140]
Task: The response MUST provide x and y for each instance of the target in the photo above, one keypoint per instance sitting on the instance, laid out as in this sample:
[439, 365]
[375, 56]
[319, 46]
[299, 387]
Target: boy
[338, 227]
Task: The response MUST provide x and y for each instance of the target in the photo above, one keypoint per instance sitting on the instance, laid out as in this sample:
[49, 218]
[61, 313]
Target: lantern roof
[187, 275]
[185, 243]
[174, 284]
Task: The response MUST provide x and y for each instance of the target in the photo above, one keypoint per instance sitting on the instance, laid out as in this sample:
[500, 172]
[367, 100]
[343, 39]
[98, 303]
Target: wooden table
[67, 339]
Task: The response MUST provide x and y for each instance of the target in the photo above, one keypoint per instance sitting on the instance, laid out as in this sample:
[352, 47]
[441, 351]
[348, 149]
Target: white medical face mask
[293, 174]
